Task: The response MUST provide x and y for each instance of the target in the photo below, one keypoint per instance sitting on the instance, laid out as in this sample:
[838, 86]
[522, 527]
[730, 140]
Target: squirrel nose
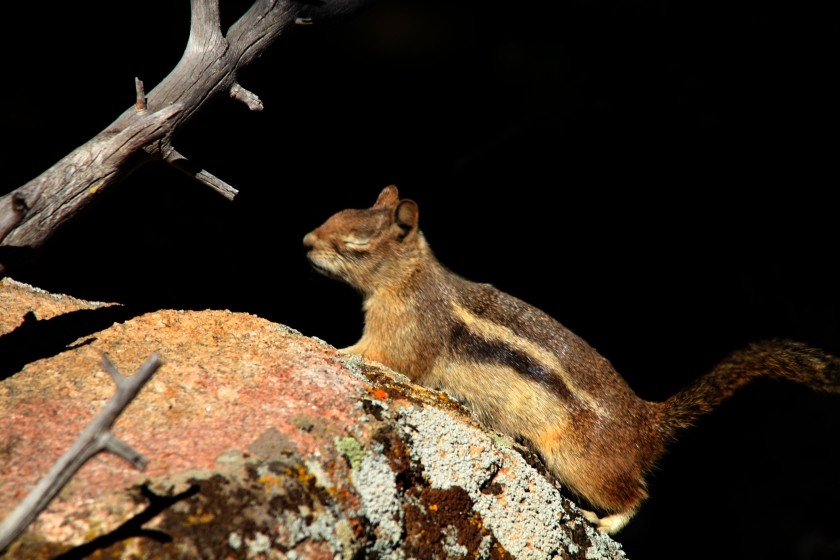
[309, 240]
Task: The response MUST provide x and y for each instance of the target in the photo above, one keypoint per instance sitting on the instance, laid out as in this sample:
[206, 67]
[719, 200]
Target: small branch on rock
[95, 438]
[249, 98]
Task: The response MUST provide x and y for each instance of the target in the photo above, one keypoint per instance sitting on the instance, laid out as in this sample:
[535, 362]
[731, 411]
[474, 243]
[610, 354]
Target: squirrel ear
[388, 197]
[407, 215]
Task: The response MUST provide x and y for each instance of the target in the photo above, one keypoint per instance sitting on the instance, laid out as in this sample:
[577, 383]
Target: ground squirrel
[519, 370]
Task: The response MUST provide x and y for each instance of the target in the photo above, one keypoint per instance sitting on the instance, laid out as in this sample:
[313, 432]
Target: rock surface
[262, 443]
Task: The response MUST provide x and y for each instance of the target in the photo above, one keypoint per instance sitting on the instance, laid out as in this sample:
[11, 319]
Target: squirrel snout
[309, 240]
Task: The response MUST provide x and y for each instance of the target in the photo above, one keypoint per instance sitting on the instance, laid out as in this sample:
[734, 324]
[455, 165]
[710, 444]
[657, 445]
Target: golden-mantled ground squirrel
[519, 370]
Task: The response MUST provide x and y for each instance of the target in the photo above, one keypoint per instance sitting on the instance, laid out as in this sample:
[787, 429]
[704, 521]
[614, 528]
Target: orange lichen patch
[398, 388]
[200, 518]
[378, 393]
[269, 480]
[304, 475]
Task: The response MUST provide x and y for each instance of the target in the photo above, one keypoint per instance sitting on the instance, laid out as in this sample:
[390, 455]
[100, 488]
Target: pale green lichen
[352, 449]
[502, 441]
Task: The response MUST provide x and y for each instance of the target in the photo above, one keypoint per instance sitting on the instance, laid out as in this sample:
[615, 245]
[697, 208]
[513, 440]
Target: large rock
[262, 443]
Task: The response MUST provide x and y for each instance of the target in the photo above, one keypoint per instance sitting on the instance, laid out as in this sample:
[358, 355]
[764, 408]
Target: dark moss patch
[435, 520]
[373, 408]
[227, 515]
[492, 489]
[579, 537]
[408, 473]
[204, 522]
[443, 519]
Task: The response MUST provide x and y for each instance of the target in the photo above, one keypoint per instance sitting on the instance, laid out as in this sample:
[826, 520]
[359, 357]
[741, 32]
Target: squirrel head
[370, 248]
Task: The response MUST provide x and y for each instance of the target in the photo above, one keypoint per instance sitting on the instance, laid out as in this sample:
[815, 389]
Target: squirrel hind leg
[610, 524]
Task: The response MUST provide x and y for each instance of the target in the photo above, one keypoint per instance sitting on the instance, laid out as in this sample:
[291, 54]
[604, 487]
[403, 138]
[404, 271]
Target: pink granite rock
[262, 443]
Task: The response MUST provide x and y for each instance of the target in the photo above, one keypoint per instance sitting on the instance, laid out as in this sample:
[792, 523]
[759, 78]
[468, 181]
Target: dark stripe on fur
[479, 350]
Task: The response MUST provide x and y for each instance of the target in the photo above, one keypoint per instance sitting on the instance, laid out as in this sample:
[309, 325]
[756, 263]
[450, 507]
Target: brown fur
[520, 371]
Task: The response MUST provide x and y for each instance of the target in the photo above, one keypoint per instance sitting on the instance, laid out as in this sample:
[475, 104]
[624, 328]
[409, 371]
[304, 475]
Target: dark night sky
[651, 174]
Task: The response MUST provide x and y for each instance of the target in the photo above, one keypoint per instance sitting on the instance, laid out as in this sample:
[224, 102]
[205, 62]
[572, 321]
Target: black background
[654, 175]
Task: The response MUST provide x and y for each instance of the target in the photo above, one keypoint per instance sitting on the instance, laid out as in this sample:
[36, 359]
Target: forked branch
[209, 68]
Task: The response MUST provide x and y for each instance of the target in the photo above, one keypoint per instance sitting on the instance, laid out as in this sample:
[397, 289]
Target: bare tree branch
[71, 184]
[95, 438]
[207, 69]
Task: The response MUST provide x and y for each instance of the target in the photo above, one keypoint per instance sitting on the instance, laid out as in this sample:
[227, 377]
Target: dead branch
[95, 438]
[209, 68]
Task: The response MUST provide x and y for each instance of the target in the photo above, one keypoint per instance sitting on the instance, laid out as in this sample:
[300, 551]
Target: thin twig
[181, 163]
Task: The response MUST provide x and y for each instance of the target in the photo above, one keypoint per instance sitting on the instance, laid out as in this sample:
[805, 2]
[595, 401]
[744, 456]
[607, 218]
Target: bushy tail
[780, 359]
